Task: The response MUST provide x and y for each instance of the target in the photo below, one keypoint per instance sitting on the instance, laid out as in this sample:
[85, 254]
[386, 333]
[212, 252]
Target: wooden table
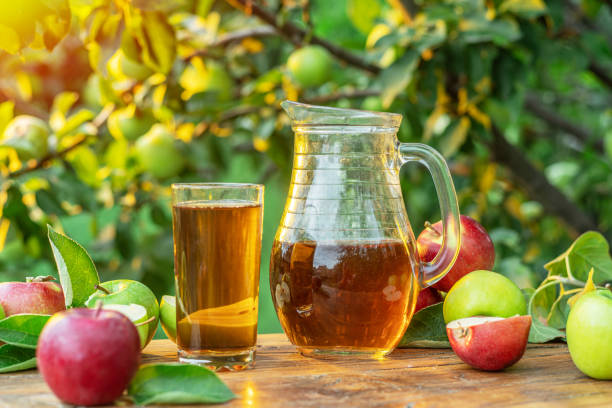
[411, 378]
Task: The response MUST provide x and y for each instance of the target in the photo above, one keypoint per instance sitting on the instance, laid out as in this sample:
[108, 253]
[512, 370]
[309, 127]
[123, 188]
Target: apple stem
[149, 320]
[432, 229]
[102, 289]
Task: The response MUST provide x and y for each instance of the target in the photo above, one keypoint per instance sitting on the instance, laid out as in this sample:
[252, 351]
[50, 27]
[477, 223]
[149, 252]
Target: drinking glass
[217, 245]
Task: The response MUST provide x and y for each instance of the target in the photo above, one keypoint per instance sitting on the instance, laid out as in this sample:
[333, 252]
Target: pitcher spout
[302, 114]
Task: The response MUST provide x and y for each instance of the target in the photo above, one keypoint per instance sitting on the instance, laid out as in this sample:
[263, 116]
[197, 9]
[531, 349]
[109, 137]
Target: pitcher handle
[429, 157]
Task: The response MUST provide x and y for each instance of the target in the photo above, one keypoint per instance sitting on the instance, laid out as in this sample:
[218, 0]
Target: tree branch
[583, 135]
[536, 184]
[601, 73]
[297, 35]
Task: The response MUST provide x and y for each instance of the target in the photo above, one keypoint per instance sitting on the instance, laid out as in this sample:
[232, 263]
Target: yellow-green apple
[310, 65]
[483, 293]
[88, 356]
[38, 295]
[127, 292]
[589, 334]
[167, 315]
[476, 251]
[158, 154]
[427, 297]
[28, 135]
[489, 343]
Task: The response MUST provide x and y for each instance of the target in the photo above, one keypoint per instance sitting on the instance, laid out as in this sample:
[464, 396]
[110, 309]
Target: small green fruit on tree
[310, 65]
[206, 77]
[589, 334]
[483, 293]
[28, 135]
[158, 154]
[129, 124]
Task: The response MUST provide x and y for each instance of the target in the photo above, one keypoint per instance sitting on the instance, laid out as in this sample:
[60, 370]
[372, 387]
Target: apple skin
[492, 343]
[88, 356]
[125, 292]
[167, 316]
[427, 297]
[589, 334]
[31, 297]
[476, 252]
[483, 293]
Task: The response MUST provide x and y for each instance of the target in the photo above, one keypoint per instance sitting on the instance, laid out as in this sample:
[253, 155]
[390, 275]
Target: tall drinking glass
[217, 246]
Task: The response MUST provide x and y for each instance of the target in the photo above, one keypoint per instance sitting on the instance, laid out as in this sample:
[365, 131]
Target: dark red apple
[489, 343]
[88, 356]
[427, 297]
[476, 252]
[37, 295]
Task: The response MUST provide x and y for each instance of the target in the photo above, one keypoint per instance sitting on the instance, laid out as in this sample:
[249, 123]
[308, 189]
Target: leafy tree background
[516, 94]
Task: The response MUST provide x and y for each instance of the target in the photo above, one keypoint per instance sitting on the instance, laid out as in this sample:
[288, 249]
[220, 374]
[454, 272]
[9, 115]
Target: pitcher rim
[316, 115]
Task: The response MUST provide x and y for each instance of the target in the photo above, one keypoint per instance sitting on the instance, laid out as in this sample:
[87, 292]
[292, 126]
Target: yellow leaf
[9, 40]
[479, 116]
[252, 45]
[588, 287]
[260, 144]
[4, 227]
[185, 131]
[457, 137]
[488, 178]
[462, 101]
[24, 85]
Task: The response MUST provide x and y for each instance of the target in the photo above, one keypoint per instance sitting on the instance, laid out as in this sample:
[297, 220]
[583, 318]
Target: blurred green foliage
[139, 94]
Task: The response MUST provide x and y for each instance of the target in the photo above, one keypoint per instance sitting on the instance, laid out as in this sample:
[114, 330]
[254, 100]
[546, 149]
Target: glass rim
[207, 186]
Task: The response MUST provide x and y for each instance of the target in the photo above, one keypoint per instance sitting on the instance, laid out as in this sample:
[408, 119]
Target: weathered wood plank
[414, 378]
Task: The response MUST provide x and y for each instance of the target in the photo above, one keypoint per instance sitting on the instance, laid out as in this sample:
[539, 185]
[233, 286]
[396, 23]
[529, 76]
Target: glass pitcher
[344, 270]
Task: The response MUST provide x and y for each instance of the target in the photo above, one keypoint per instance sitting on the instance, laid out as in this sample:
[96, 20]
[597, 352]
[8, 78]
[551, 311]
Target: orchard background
[515, 94]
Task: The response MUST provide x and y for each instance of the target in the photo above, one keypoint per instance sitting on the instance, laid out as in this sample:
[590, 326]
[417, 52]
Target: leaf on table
[177, 384]
[540, 333]
[22, 329]
[77, 272]
[13, 358]
[427, 329]
[590, 250]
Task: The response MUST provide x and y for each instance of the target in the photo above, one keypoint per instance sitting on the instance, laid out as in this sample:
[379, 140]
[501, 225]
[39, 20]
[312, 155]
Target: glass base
[219, 360]
[339, 353]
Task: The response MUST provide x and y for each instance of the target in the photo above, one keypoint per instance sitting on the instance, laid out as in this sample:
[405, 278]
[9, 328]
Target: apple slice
[489, 343]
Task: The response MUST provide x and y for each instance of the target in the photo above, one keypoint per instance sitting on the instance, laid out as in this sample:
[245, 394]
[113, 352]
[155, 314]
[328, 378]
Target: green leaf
[14, 358]
[363, 13]
[398, 76]
[590, 250]
[177, 384]
[501, 31]
[22, 330]
[427, 329]
[540, 333]
[523, 8]
[77, 272]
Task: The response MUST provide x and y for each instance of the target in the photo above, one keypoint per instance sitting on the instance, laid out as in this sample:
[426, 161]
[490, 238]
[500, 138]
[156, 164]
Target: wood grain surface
[412, 378]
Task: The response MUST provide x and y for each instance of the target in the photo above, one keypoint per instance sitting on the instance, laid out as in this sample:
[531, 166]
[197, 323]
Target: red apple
[427, 297]
[88, 356]
[476, 252]
[37, 295]
[489, 343]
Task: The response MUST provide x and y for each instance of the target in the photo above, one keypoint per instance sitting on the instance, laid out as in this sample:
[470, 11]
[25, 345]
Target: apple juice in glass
[217, 244]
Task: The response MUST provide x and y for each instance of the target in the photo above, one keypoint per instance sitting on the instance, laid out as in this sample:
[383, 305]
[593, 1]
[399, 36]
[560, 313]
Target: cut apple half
[489, 343]
[137, 314]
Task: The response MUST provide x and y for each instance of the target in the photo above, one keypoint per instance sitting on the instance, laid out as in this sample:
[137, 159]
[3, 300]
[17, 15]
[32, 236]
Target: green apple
[310, 65]
[483, 293]
[126, 292]
[137, 315]
[589, 334]
[158, 154]
[167, 315]
[28, 135]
